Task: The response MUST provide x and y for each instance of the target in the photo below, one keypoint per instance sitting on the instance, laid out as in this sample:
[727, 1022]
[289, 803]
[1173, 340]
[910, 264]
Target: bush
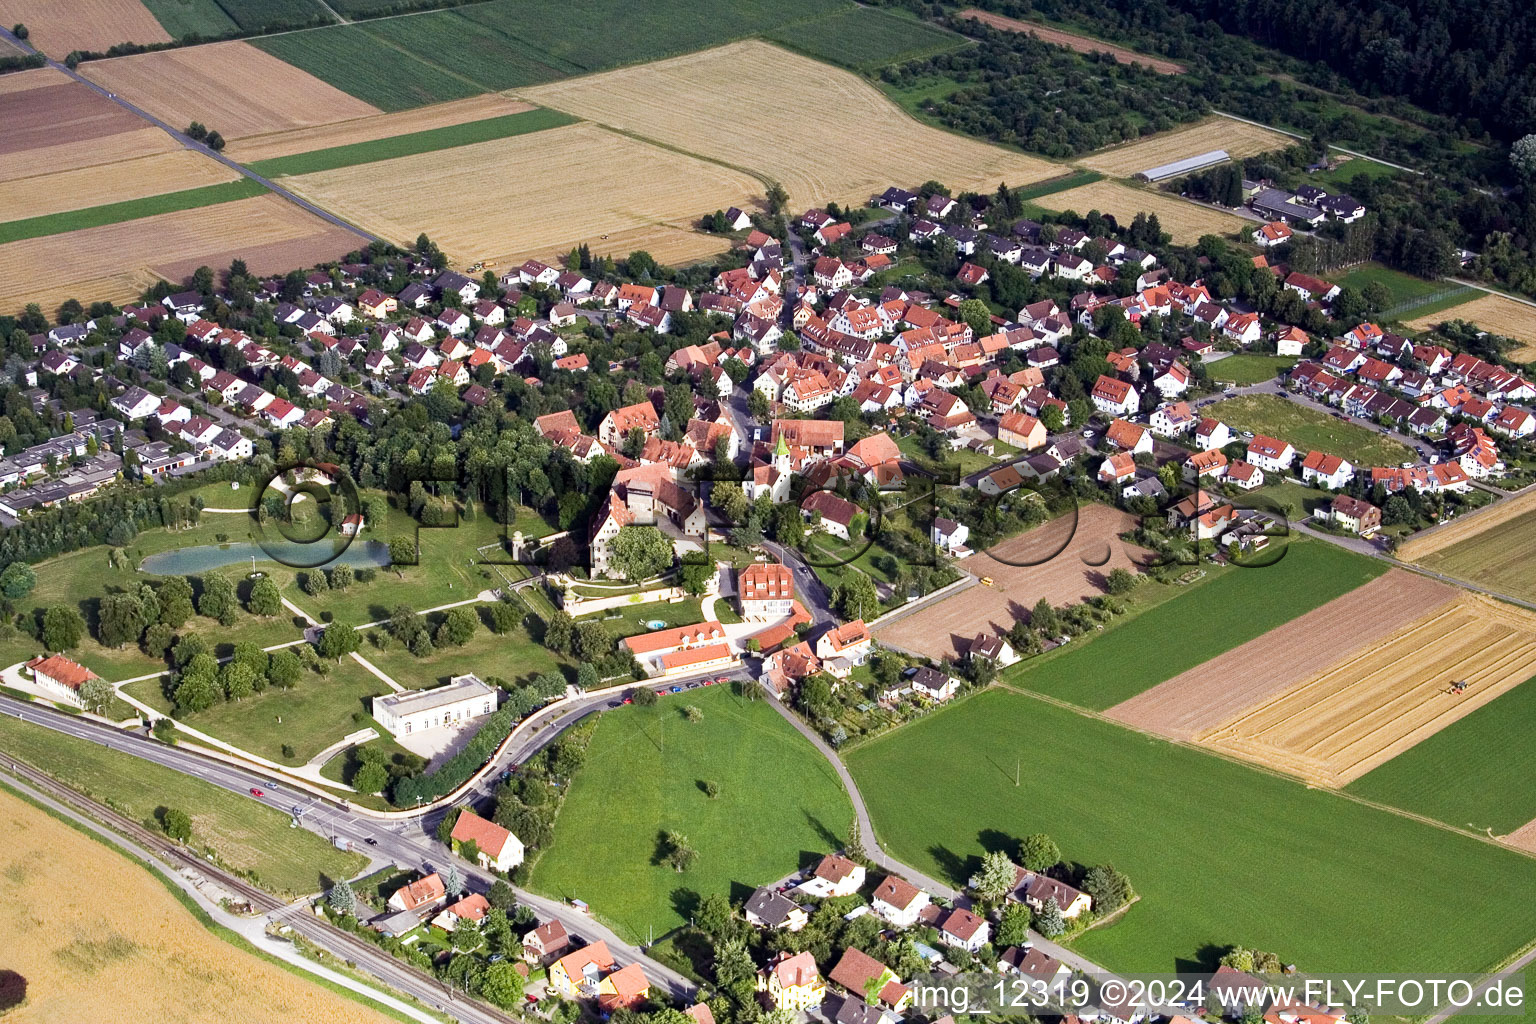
[456, 770]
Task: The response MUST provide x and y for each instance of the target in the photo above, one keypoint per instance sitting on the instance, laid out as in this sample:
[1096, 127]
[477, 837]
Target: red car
[256, 792]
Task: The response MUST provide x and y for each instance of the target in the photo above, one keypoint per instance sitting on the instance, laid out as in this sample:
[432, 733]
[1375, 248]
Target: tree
[1052, 419]
[1522, 157]
[218, 599]
[676, 851]
[459, 624]
[96, 694]
[995, 878]
[1038, 852]
[778, 199]
[692, 713]
[283, 668]
[342, 899]
[402, 550]
[238, 680]
[1239, 959]
[315, 582]
[559, 631]
[502, 985]
[1109, 888]
[338, 640]
[17, 580]
[197, 690]
[977, 316]
[176, 824]
[370, 777]
[120, 620]
[644, 696]
[853, 843]
[734, 967]
[342, 577]
[1048, 919]
[63, 628]
[501, 896]
[1013, 929]
[640, 552]
[453, 882]
[465, 936]
[855, 596]
[265, 599]
[695, 573]
[711, 788]
[175, 596]
[1044, 618]
[1120, 581]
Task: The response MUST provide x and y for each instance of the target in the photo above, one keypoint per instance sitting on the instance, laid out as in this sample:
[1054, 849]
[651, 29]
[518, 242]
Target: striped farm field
[361, 65]
[693, 103]
[866, 38]
[110, 183]
[374, 127]
[234, 88]
[130, 210]
[1366, 709]
[1185, 221]
[578, 184]
[116, 262]
[1238, 138]
[1496, 314]
[1073, 41]
[59, 26]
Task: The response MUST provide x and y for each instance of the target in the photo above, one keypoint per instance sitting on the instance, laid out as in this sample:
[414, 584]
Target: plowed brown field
[1366, 709]
[493, 200]
[1063, 576]
[374, 126]
[113, 262]
[54, 114]
[58, 26]
[111, 183]
[1220, 689]
[121, 948]
[86, 153]
[811, 127]
[233, 88]
[1073, 41]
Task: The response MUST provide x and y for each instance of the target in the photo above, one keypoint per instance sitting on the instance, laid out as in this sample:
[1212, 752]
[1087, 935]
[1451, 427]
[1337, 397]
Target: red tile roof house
[1270, 454]
[495, 849]
[545, 943]
[864, 977]
[422, 894]
[1114, 396]
[60, 678]
[899, 902]
[834, 876]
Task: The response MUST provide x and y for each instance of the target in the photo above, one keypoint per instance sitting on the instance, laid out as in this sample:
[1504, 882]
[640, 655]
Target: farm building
[1188, 165]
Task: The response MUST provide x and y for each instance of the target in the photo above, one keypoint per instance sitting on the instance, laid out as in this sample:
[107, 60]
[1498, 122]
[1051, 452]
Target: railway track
[393, 973]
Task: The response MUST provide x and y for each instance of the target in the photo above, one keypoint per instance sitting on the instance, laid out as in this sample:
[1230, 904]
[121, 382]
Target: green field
[513, 656]
[1220, 853]
[865, 38]
[1210, 617]
[469, 49]
[1475, 773]
[1500, 557]
[1341, 176]
[429, 141]
[358, 63]
[258, 15]
[315, 713]
[1403, 287]
[1053, 185]
[780, 804]
[131, 209]
[1248, 368]
[182, 18]
[246, 835]
[594, 34]
[1307, 428]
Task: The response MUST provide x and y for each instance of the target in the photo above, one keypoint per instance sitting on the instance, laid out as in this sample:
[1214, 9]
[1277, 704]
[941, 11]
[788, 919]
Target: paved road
[192, 144]
[813, 593]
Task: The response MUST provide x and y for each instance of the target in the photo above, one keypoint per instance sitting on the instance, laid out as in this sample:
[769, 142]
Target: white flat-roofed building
[1186, 166]
[404, 714]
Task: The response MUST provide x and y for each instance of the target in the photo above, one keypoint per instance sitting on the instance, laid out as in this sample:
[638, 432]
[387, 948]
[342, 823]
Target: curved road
[190, 143]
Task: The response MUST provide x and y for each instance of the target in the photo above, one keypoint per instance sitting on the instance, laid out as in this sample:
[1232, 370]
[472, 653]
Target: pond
[194, 560]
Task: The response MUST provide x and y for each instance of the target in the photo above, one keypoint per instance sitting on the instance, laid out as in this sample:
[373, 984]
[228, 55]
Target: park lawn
[1249, 368]
[1306, 429]
[1220, 852]
[780, 806]
[244, 834]
[1404, 288]
[130, 209]
[632, 619]
[1209, 617]
[315, 713]
[1475, 773]
[514, 657]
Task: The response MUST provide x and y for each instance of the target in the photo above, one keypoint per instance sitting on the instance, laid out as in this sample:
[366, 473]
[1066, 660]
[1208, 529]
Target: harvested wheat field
[1220, 689]
[114, 262]
[59, 26]
[232, 87]
[1496, 314]
[374, 126]
[37, 78]
[694, 103]
[504, 197]
[97, 938]
[87, 153]
[1072, 565]
[112, 183]
[1371, 706]
[1523, 838]
[1185, 221]
[1238, 138]
[1073, 41]
[1465, 527]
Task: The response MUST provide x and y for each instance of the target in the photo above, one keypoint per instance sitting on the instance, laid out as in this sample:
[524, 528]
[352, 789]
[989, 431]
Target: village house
[791, 981]
[1354, 515]
[681, 648]
[495, 848]
[1271, 454]
[578, 974]
[60, 678]
[898, 902]
[867, 979]
[422, 894]
[835, 875]
[1115, 397]
[545, 943]
[769, 908]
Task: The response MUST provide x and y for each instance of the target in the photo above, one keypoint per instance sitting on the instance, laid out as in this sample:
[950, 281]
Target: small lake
[194, 560]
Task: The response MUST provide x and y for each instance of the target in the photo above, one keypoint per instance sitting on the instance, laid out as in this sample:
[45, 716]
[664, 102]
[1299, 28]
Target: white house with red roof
[496, 849]
[1114, 396]
[1270, 454]
[59, 678]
